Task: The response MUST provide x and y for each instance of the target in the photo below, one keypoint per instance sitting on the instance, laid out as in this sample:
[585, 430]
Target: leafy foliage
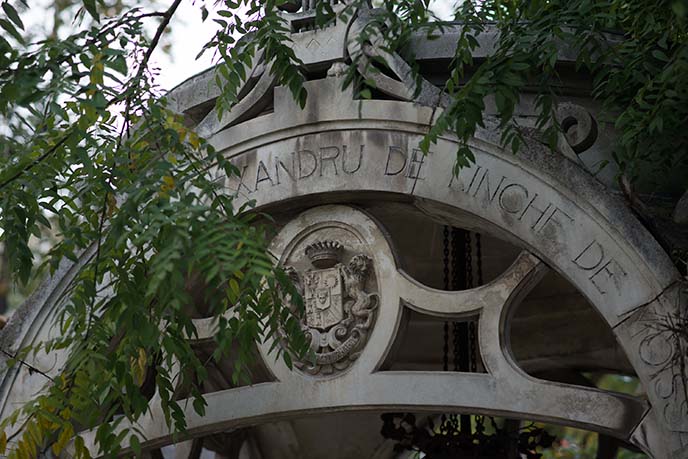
[635, 51]
[92, 151]
[139, 198]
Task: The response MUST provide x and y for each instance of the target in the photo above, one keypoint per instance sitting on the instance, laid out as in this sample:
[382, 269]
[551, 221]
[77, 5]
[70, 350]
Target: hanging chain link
[472, 326]
[479, 256]
[445, 252]
[445, 348]
[469, 261]
[451, 254]
[456, 269]
[455, 285]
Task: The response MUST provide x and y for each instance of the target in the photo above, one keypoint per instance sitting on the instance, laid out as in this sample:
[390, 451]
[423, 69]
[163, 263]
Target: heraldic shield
[323, 297]
[339, 312]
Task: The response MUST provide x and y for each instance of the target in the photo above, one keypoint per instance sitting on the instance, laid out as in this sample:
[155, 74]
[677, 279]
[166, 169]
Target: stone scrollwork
[578, 125]
[339, 312]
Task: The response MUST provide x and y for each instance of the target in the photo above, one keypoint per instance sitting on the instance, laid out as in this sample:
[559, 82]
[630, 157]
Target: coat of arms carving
[339, 312]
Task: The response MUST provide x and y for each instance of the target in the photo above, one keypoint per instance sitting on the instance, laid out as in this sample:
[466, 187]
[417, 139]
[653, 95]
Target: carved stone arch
[34, 322]
[539, 200]
[505, 389]
[336, 149]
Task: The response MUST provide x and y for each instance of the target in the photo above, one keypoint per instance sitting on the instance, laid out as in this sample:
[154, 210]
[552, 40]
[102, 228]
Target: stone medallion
[337, 283]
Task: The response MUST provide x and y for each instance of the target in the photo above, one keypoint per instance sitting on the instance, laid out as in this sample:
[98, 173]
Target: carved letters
[324, 161]
[298, 165]
[395, 158]
[399, 163]
[603, 268]
[657, 345]
[512, 198]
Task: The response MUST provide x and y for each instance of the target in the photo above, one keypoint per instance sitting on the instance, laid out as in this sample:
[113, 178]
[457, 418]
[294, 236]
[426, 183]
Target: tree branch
[27, 365]
[36, 161]
[166, 17]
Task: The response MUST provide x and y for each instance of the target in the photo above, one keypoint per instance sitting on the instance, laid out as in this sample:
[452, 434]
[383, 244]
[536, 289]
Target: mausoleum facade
[493, 293]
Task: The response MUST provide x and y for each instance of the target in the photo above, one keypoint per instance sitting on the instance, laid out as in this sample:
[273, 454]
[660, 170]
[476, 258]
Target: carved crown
[324, 254]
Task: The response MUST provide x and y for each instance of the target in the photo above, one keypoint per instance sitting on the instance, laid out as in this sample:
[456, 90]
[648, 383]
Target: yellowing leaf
[111, 204]
[194, 140]
[143, 359]
[97, 71]
[139, 367]
[44, 422]
[3, 442]
[140, 145]
[62, 440]
[167, 186]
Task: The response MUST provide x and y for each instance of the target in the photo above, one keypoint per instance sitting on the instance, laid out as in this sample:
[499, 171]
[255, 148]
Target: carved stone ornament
[339, 312]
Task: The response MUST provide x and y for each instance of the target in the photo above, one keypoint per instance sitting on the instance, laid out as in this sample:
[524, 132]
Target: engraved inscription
[660, 348]
[400, 163]
[327, 161]
[322, 162]
[313, 160]
[605, 270]
[512, 198]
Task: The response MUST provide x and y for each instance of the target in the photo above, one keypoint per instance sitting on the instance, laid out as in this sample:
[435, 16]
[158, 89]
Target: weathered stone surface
[536, 198]
[579, 126]
[320, 46]
[31, 323]
[340, 309]
[655, 351]
[337, 149]
[196, 91]
[363, 387]
[564, 231]
[444, 46]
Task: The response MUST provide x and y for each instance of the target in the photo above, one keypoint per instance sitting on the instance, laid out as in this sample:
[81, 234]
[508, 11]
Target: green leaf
[660, 55]
[135, 444]
[90, 6]
[119, 64]
[12, 14]
[9, 27]
[199, 405]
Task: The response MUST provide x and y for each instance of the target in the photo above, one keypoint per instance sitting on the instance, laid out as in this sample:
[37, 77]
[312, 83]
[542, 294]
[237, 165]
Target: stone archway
[539, 200]
[569, 225]
[338, 147]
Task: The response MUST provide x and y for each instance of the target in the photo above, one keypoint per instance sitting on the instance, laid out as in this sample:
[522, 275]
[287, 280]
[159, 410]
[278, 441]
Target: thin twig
[166, 17]
[27, 365]
[96, 262]
[36, 161]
